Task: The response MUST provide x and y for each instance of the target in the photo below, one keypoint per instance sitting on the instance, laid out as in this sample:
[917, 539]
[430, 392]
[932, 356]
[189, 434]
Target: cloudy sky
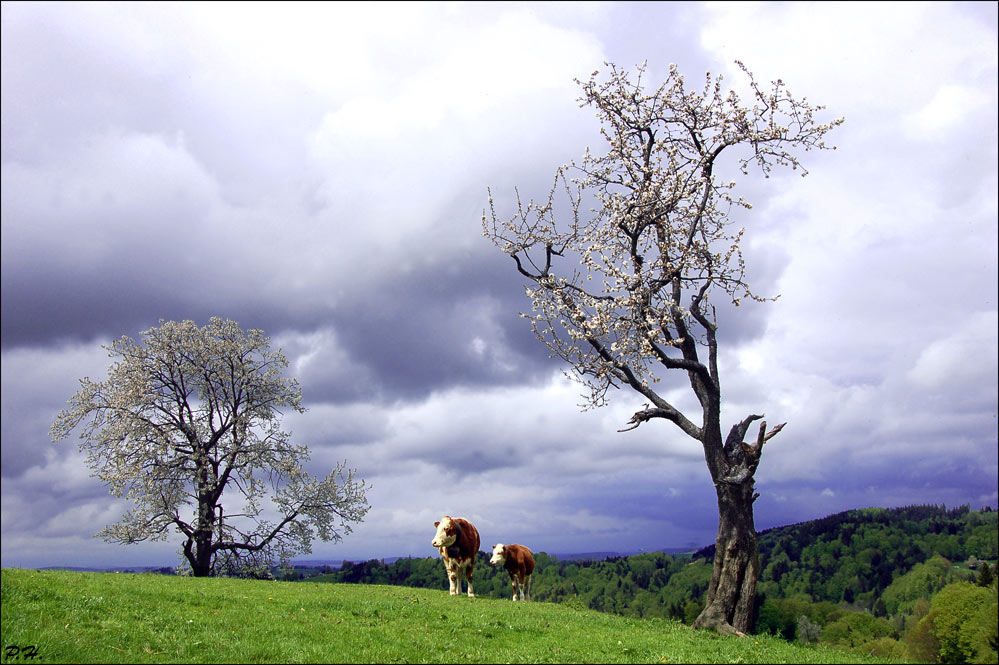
[319, 171]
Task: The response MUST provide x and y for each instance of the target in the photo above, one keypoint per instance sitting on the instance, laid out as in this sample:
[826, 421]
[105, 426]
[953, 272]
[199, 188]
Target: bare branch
[763, 438]
[669, 413]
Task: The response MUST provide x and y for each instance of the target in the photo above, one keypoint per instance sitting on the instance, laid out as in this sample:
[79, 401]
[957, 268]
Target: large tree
[191, 418]
[630, 252]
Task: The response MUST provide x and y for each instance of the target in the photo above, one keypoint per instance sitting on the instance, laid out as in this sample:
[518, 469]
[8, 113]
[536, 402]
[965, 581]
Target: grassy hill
[61, 616]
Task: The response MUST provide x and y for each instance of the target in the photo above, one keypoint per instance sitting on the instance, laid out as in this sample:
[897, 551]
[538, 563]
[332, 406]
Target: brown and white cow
[519, 563]
[458, 542]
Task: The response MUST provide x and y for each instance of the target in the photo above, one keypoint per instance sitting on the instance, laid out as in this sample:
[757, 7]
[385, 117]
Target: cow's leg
[513, 584]
[526, 588]
[468, 577]
[452, 577]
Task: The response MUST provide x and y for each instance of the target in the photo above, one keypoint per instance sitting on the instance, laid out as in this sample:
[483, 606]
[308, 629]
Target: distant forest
[820, 580]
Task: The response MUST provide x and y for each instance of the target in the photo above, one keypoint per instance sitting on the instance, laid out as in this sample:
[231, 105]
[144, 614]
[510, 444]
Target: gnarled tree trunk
[731, 595]
[728, 607]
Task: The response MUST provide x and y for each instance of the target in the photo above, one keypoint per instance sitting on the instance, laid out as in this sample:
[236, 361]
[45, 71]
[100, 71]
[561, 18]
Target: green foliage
[885, 647]
[963, 618]
[922, 581]
[855, 556]
[985, 575]
[779, 616]
[856, 629]
[984, 540]
[921, 643]
[72, 617]
[807, 631]
[782, 616]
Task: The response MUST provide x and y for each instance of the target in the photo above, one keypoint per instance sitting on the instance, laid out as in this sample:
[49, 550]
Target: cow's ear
[437, 523]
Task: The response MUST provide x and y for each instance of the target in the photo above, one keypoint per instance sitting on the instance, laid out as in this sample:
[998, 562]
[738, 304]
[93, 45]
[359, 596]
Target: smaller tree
[191, 417]
[985, 575]
[922, 645]
[808, 631]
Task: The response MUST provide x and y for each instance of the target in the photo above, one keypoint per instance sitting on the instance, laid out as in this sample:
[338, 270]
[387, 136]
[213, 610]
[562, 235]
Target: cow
[519, 563]
[458, 542]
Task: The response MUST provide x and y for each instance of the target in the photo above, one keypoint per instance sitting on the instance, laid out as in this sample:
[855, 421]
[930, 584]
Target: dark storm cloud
[464, 333]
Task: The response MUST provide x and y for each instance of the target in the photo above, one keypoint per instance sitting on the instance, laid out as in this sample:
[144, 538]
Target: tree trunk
[198, 553]
[201, 556]
[732, 593]
[201, 568]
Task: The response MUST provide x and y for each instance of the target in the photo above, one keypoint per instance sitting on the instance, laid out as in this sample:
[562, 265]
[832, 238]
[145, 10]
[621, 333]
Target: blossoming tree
[624, 293]
[191, 418]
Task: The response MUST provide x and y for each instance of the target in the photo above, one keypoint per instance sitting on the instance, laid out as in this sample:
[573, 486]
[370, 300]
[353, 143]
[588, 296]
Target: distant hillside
[936, 519]
[853, 556]
[163, 570]
[600, 556]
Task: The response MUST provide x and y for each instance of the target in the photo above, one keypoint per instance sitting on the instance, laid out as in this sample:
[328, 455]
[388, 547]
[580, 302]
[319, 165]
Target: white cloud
[951, 105]
[966, 357]
[417, 145]
[878, 56]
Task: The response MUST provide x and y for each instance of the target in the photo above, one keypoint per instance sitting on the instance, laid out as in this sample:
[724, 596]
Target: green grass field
[70, 617]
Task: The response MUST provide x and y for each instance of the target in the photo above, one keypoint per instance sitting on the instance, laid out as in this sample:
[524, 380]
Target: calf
[519, 563]
[458, 542]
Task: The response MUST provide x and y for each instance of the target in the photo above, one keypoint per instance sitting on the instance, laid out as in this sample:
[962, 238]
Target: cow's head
[447, 532]
[499, 554]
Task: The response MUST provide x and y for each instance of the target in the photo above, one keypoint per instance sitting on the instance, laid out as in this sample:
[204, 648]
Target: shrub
[856, 629]
[885, 647]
